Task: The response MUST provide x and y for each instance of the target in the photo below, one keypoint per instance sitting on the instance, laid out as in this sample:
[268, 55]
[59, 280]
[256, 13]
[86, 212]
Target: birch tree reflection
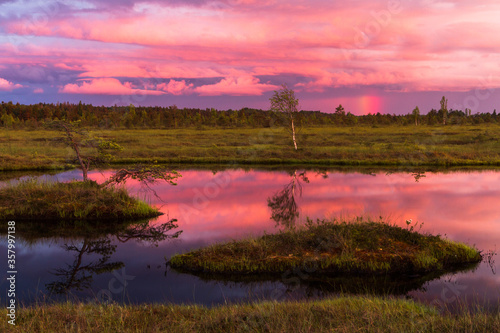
[284, 209]
[92, 256]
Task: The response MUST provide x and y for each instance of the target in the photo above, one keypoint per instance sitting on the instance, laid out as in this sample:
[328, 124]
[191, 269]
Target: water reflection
[149, 233]
[92, 256]
[234, 204]
[416, 175]
[299, 283]
[79, 276]
[284, 209]
[489, 259]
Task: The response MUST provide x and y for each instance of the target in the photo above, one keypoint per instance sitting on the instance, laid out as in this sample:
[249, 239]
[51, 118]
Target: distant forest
[34, 116]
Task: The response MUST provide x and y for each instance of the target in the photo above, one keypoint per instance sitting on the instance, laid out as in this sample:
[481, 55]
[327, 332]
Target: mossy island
[83, 200]
[332, 247]
[73, 201]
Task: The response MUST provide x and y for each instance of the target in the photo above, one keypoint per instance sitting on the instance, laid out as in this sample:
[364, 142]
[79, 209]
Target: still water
[214, 206]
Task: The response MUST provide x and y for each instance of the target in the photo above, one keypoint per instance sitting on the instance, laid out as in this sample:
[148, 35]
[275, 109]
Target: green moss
[31, 199]
[334, 247]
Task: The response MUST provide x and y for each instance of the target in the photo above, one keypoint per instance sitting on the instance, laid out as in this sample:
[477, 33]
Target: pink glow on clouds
[462, 205]
[106, 86]
[238, 86]
[321, 45]
[176, 87]
[8, 86]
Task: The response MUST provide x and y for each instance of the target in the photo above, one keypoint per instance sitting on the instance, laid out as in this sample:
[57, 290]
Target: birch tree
[444, 109]
[285, 103]
[416, 115]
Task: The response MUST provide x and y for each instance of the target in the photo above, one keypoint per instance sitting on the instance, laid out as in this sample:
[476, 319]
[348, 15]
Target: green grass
[386, 145]
[74, 201]
[332, 247]
[342, 314]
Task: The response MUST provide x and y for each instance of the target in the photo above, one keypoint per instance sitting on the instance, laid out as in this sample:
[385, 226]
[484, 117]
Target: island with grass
[356, 250]
[73, 201]
[332, 247]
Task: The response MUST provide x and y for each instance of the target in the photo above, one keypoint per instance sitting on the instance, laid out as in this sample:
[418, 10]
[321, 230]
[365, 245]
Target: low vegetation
[332, 247]
[32, 199]
[342, 314]
[464, 145]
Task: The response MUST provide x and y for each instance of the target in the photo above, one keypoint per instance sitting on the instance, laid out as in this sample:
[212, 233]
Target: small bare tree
[284, 102]
[90, 150]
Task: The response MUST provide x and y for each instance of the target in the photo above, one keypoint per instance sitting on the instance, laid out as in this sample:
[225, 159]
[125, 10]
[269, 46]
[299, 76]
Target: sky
[370, 56]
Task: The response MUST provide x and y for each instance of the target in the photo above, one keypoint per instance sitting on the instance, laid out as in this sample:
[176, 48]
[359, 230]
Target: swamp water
[129, 266]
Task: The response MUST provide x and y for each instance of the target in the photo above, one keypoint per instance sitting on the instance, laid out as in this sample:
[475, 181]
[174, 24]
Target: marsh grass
[73, 201]
[332, 247]
[387, 145]
[341, 314]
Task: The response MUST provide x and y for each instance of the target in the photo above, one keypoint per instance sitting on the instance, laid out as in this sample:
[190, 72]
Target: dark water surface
[217, 206]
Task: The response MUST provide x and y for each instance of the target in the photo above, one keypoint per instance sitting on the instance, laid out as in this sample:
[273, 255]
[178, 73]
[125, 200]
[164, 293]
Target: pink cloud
[8, 86]
[38, 91]
[236, 86]
[105, 86]
[423, 45]
[176, 87]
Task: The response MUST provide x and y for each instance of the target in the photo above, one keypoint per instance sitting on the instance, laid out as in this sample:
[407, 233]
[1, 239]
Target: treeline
[34, 116]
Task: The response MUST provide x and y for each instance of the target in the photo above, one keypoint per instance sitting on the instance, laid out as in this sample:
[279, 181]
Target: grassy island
[31, 199]
[332, 247]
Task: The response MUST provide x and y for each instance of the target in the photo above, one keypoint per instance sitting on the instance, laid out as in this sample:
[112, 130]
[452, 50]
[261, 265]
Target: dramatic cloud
[8, 86]
[106, 86]
[248, 48]
[237, 86]
[176, 87]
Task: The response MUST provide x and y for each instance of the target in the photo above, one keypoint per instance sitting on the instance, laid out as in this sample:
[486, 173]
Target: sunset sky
[368, 55]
